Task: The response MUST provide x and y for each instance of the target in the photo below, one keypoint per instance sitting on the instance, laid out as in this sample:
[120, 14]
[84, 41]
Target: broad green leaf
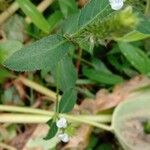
[7, 48]
[128, 121]
[37, 18]
[68, 7]
[44, 53]
[53, 129]
[68, 101]
[102, 77]
[67, 74]
[133, 36]
[136, 57]
[92, 12]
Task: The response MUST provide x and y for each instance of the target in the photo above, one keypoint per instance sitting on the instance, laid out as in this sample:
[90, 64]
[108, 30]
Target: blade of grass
[37, 18]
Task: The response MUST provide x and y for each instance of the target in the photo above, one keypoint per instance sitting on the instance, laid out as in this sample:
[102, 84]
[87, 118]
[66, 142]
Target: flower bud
[116, 4]
[64, 137]
[61, 123]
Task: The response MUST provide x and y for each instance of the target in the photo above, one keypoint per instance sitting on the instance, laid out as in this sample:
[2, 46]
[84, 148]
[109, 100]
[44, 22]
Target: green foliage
[136, 57]
[68, 7]
[102, 77]
[45, 53]
[68, 101]
[143, 26]
[67, 74]
[133, 36]
[94, 24]
[4, 74]
[8, 48]
[31, 11]
[54, 20]
[147, 127]
[53, 129]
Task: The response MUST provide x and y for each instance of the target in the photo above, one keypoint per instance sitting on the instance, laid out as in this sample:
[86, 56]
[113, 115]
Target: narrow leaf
[68, 101]
[37, 18]
[102, 77]
[136, 57]
[44, 53]
[133, 36]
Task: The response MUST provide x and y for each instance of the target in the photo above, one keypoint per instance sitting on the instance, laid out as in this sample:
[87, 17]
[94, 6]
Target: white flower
[61, 123]
[116, 4]
[64, 137]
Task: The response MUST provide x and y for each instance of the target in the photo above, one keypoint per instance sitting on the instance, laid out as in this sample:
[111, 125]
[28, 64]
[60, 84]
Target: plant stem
[41, 7]
[92, 123]
[57, 90]
[8, 12]
[32, 118]
[42, 116]
[39, 88]
[25, 110]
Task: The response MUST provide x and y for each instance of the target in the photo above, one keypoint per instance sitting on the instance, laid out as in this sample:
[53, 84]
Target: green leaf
[144, 26]
[68, 101]
[93, 11]
[136, 57]
[8, 48]
[133, 36]
[37, 18]
[53, 129]
[54, 20]
[67, 74]
[68, 7]
[102, 77]
[4, 74]
[42, 54]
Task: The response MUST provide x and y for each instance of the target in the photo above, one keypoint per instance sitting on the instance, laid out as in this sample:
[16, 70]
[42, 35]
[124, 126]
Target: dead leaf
[106, 100]
[21, 139]
[80, 140]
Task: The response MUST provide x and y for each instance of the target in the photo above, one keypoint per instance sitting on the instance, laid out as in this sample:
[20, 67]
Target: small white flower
[61, 123]
[64, 137]
[116, 4]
